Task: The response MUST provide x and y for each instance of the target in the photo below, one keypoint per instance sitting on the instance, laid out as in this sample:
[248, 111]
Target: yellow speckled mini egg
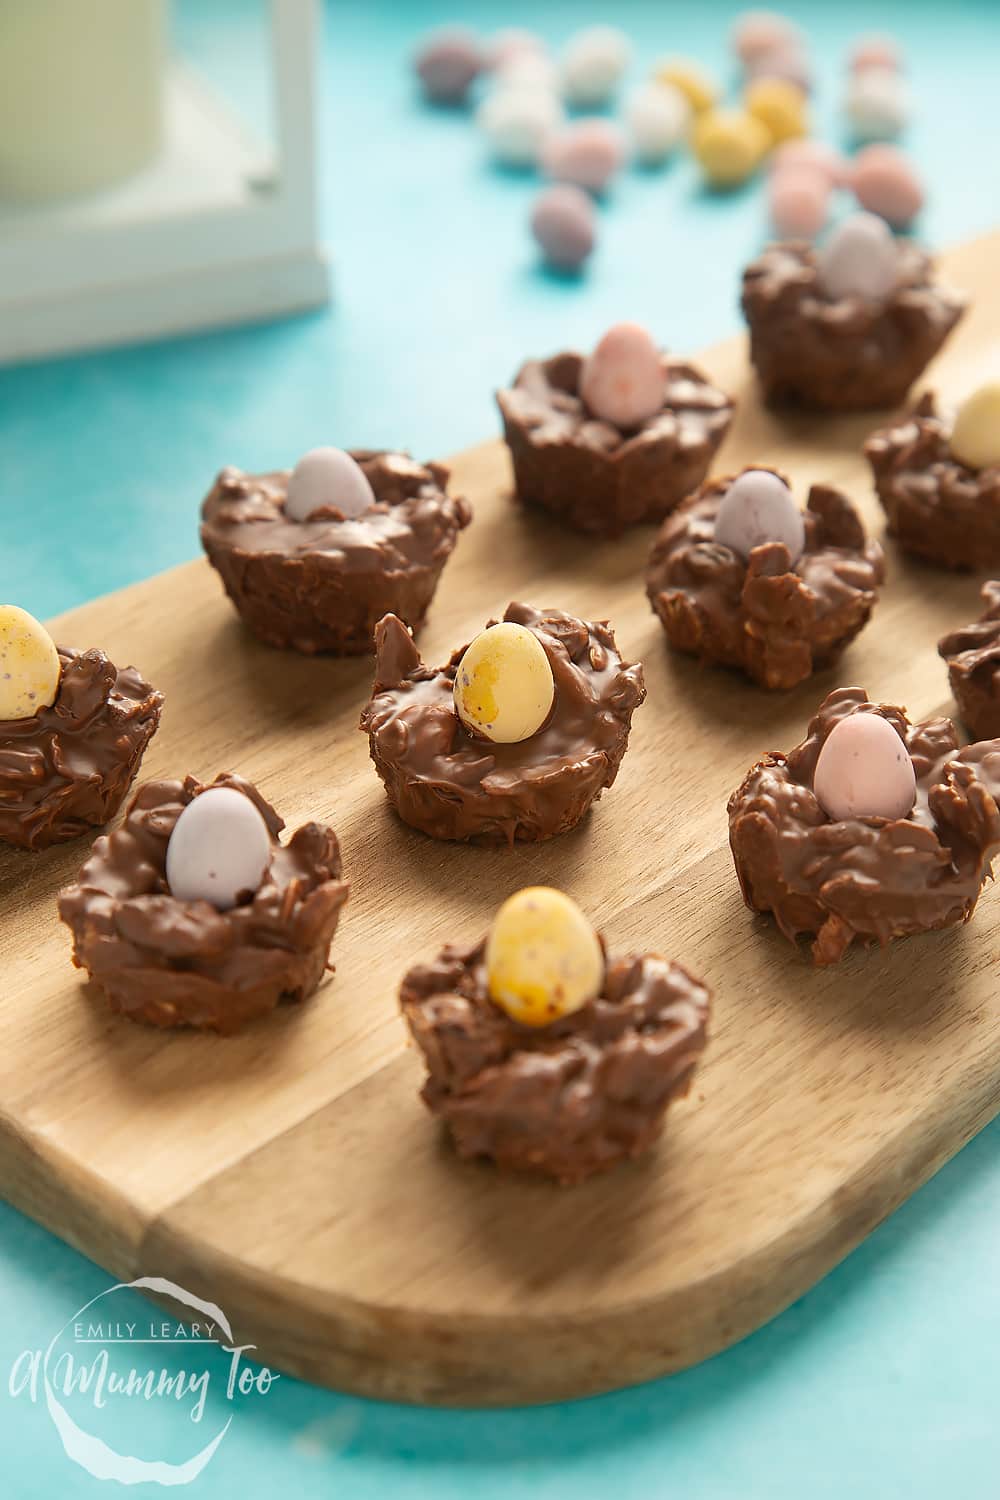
[504, 685]
[698, 87]
[779, 106]
[543, 958]
[729, 145]
[29, 665]
[975, 437]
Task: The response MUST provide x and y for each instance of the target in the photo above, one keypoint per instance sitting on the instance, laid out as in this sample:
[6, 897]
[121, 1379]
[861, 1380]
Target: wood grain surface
[292, 1175]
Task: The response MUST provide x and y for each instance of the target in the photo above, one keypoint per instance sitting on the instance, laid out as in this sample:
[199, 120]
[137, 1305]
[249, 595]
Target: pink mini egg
[511, 42]
[588, 153]
[758, 508]
[623, 381]
[864, 770]
[789, 63]
[447, 64]
[757, 32]
[886, 184]
[876, 51]
[816, 155]
[798, 202]
[564, 225]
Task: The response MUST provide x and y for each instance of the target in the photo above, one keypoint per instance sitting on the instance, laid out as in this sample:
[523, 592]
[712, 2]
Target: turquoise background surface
[880, 1382]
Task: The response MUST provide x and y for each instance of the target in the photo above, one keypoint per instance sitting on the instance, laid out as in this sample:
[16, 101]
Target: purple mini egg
[447, 64]
[864, 770]
[564, 225]
[587, 153]
[327, 478]
[759, 508]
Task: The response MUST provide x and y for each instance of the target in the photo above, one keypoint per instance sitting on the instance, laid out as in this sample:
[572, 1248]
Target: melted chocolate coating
[453, 785]
[183, 963]
[774, 620]
[598, 477]
[569, 1099]
[875, 878]
[938, 508]
[67, 769]
[843, 355]
[323, 584]
[973, 657]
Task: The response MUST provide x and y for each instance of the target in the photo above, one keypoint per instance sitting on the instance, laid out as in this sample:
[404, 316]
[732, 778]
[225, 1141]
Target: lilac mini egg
[219, 849]
[860, 259]
[587, 153]
[886, 184]
[327, 477]
[864, 770]
[447, 64]
[759, 508]
[623, 381]
[564, 225]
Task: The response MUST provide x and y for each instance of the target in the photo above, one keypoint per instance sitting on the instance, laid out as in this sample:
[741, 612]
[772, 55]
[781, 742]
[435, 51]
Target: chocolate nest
[569, 1099]
[849, 354]
[67, 769]
[874, 878]
[453, 785]
[938, 508]
[598, 477]
[183, 963]
[776, 621]
[973, 657]
[324, 584]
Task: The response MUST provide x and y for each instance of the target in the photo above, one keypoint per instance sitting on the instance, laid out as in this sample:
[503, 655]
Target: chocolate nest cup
[183, 963]
[569, 1099]
[868, 878]
[67, 769]
[324, 584]
[598, 477]
[776, 621]
[453, 785]
[938, 508]
[973, 657]
[849, 354]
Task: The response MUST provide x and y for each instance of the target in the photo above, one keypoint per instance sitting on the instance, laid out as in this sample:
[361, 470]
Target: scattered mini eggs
[504, 686]
[587, 152]
[512, 42]
[975, 437]
[779, 106]
[564, 225]
[729, 146]
[529, 70]
[698, 87]
[798, 202]
[543, 958]
[860, 259]
[447, 64]
[327, 477]
[755, 33]
[789, 63]
[658, 117]
[219, 849]
[29, 665]
[517, 122]
[877, 104]
[817, 156]
[593, 65]
[759, 508]
[864, 770]
[622, 381]
[876, 51]
[886, 184]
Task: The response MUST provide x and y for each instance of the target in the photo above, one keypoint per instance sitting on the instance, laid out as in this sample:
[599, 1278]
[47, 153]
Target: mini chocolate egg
[864, 770]
[729, 145]
[528, 70]
[587, 152]
[975, 437]
[622, 381]
[698, 87]
[517, 122]
[757, 32]
[658, 117]
[219, 849]
[504, 685]
[798, 202]
[877, 50]
[447, 64]
[593, 64]
[886, 184]
[789, 63]
[29, 665]
[510, 42]
[758, 508]
[779, 106]
[543, 958]
[877, 104]
[564, 225]
[817, 156]
[860, 259]
[327, 477]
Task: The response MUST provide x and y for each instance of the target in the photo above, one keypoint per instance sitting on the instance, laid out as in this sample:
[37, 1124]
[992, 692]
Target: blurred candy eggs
[658, 117]
[758, 32]
[815, 155]
[29, 665]
[798, 202]
[729, 146]
[860, 259]
[886, 184]
[789, 63]
[512, 42]
[528, 70]
[975, 437]
[877, 104]
[587, 152]
[698, 87]
[864, 770]
[504, 685]
[563, 223]
[758, 508]
[593, 64]
[447, 64]
[517, 122]
[779, 106]
[543, 958]
[622, 382]
[876, 51]
[219, 850]
[327, 477]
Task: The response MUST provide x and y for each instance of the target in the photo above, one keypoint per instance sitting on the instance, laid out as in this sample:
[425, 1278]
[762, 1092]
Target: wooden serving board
[292, 1175]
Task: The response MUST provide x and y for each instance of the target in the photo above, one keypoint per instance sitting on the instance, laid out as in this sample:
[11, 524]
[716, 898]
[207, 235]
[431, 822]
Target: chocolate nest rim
[972, 654]
[780, 626]
[168, 962]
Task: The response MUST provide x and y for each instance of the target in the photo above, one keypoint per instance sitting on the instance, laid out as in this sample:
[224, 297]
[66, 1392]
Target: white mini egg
[504, 685]
[860, 259]
[864, 770]
[528, 70]
[622, 381]
[517, 122]
[975, 437]
[219, 849]
[593, 65]
[327, 476]
[758, 508]
[543, 958]
[877, 104]
[29, 665]
[658, 117]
